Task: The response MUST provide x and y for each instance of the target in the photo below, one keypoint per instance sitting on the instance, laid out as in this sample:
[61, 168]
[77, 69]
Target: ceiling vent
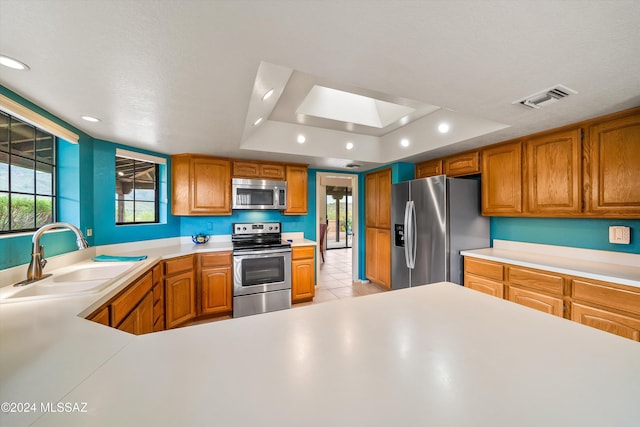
[546, 97]
[353, 165]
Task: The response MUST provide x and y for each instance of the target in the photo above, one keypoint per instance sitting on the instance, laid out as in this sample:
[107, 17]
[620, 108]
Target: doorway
[337, 210]
[339, 214]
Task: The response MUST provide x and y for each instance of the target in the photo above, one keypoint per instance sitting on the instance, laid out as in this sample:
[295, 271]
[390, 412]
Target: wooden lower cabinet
[536, 300]
[100, 316]
[302, 274]
[619, 324]
[140, 320]
[216, 283]
[611, 307]
[180, 291]
[482, 284]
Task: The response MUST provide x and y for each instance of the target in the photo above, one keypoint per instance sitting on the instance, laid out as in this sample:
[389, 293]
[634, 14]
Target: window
[136, 191]
[27, 176]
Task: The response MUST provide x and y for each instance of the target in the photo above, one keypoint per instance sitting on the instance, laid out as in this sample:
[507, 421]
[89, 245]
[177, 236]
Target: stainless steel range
[261, 269]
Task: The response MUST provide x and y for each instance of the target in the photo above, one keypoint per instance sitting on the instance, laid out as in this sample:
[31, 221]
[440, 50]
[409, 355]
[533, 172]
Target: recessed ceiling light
[404, 142]
[349, 145]
[443, 127]
[301, 139]
[91, 119]
[7, 61]
[267, 95]
[257, 122]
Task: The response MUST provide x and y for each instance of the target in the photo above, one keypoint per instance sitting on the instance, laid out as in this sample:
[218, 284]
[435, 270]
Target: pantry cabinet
[297, 190]
[554, 174]
[180, 291]
[614, 156]
[201, 185]
[302, 273]
[378, 256]
[216, 283]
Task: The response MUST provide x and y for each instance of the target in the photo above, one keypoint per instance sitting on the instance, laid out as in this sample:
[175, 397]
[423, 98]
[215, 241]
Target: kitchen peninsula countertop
[616, 267]
[431, 355]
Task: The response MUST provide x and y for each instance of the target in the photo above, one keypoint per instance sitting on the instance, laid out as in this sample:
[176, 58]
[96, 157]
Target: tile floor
[334, 280]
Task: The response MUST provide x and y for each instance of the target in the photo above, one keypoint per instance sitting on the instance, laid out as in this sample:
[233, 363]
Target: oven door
[261, 271]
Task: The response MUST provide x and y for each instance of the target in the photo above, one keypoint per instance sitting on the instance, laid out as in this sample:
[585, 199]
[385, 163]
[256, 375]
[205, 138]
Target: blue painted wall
[74, 174]
[104, 204]
[577, 232]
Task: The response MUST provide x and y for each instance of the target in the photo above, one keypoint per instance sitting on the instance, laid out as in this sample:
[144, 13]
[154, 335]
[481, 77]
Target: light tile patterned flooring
[334, 280]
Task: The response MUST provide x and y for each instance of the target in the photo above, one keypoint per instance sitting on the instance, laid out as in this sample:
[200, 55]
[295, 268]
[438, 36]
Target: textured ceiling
[178, 76]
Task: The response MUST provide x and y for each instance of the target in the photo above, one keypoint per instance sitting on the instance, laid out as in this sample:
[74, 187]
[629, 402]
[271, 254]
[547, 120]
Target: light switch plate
[620, 234]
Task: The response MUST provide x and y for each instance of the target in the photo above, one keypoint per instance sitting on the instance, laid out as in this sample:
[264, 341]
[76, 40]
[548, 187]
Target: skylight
[351, 108]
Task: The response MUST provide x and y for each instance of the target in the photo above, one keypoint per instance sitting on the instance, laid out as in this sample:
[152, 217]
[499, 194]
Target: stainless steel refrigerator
[433, 219]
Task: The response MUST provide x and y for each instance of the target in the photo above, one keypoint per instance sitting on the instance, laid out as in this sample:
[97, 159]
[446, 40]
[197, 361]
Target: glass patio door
[339, 217]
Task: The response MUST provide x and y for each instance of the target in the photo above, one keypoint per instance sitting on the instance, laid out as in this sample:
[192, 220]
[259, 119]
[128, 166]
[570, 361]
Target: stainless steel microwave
[258, 194]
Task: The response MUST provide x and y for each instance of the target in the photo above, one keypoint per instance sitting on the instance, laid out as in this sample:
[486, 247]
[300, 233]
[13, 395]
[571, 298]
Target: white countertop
[608, 266]
[432, 355]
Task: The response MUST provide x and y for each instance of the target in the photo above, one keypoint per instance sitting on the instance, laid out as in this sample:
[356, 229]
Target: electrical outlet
[620, 235]
[209, 226]
[89, 232]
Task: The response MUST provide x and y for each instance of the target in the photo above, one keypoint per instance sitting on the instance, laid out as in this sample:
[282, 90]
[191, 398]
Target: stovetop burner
[257, 235]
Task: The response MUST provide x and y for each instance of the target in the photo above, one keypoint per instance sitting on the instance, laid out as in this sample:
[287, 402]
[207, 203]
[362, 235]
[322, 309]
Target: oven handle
[261, 252]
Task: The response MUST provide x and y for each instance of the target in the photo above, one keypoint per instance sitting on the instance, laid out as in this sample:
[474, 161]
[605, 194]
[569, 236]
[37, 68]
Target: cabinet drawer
[618, 324]
[178, 265]
[302, 252]
[535, 300]
[488, 269]
[462, 164]
[126, 302]
[487, 286]
[544, 281]
[606, 294]
[215, 259]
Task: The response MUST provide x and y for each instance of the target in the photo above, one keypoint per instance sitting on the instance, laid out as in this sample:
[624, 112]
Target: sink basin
[86, 278]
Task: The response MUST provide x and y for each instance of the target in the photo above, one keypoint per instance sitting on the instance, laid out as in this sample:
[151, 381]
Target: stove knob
[270, 228]
[244, 228]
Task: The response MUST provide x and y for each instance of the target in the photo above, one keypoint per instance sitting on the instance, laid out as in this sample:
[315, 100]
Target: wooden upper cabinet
[554, 174]
[429, 168]
[201, 185]
[378, 199]
[462, 164]
[297, 190]
[614, 154]
[247, 169]
[502, 180]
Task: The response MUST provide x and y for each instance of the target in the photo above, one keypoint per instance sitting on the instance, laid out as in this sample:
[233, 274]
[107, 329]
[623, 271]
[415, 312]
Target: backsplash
[587, 233]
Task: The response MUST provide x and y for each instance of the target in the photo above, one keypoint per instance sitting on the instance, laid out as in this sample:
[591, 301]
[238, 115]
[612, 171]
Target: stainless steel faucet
[34, 272]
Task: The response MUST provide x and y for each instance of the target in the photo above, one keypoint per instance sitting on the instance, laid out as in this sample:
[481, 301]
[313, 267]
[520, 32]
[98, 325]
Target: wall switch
[620, 234]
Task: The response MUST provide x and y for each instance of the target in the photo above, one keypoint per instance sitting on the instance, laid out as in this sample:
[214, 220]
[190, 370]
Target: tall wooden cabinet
[180, 290]
[614, 154]
[378, 227]
[302, 273]
[216, 283]
[201, 185]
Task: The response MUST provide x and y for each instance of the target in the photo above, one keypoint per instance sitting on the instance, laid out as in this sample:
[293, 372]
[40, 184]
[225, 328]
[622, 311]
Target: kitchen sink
[86, 278]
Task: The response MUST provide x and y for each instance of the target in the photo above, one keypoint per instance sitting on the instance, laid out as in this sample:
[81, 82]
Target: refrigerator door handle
[407, 233]
[414, 235]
